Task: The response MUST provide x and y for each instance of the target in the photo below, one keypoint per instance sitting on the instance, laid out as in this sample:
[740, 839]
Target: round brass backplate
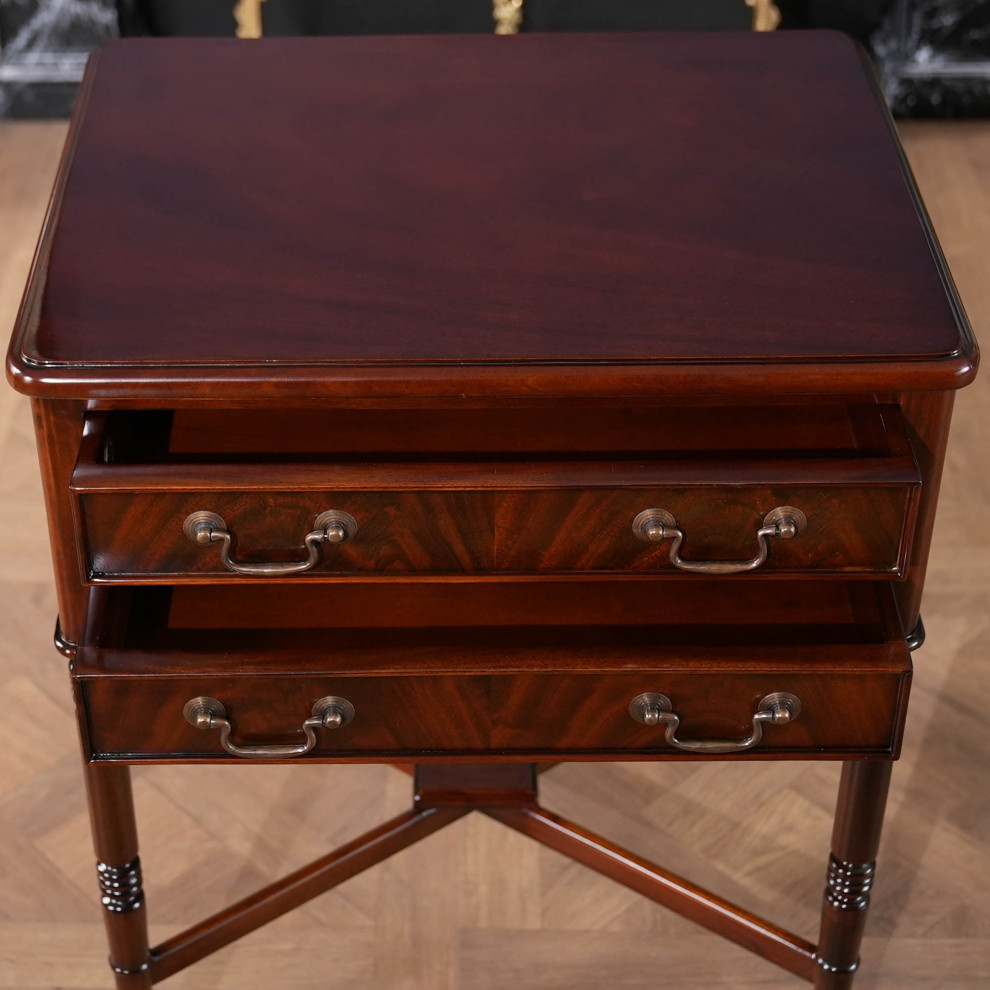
[644, 526]
[341, 525]
[783, 702]
[200, 525]
[195, 708]
[643, 704]
[786, 514]
[331, 705]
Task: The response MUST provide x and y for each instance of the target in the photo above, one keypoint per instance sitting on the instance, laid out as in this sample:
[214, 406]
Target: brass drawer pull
[328, 713]
[333, 526]
[649, 708]
[656, 525]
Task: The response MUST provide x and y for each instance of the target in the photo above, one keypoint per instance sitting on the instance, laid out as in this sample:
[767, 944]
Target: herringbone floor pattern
[478, 907]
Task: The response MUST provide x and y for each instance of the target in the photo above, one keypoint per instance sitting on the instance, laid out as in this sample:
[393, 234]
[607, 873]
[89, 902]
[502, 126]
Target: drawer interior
[824, 429]
[410, 627]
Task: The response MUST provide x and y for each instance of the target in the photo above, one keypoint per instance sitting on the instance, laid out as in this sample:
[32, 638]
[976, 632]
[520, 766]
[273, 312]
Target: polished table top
[475, 214]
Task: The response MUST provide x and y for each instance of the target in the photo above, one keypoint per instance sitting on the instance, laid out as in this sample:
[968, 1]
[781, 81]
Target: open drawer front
[489, 683]
[777, 491]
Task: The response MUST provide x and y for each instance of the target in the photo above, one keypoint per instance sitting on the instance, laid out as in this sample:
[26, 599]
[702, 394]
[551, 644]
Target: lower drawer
[557, 714]
[159, 691]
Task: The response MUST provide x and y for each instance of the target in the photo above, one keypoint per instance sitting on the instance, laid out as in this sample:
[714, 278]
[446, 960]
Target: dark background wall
[933, 55]
[856, 17]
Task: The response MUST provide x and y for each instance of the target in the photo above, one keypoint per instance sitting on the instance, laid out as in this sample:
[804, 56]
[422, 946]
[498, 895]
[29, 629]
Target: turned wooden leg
[855, 838]
[118, 869]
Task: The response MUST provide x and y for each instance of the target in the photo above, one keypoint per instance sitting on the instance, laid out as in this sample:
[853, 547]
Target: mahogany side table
[473, 403]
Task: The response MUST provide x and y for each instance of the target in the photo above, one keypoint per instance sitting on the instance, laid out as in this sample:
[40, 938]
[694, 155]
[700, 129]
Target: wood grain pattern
[556, 715]
[132, 536]
[524, 693]
[856, 529]
[521, 915]
[850, 530]
[494, 515]
[443, 229]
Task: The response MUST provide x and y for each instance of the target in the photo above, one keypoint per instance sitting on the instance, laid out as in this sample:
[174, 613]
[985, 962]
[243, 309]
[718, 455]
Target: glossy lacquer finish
[505, 690]
[486, 513]
[494, 299]
[579, 201]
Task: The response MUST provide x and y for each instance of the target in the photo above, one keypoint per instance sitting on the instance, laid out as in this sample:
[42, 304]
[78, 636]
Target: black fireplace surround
[933, 56]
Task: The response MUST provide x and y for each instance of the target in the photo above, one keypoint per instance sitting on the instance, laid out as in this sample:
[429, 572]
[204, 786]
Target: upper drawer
[724, 504]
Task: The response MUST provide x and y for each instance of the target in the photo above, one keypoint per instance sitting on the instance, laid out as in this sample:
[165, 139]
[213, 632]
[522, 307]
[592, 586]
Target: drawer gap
[589, 602]
[147, 623]
[191, 436]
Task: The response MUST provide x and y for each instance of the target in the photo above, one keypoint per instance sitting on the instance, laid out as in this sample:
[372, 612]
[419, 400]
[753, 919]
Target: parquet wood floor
[478, 907]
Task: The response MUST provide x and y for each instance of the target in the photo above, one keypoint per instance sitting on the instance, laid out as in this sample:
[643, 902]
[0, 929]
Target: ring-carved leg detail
[849, 884]
[847, 889]
[120, 886]
[118, 871]
[851, 868]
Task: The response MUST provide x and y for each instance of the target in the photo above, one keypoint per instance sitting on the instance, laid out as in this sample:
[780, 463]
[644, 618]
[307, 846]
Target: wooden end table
[475, 403]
